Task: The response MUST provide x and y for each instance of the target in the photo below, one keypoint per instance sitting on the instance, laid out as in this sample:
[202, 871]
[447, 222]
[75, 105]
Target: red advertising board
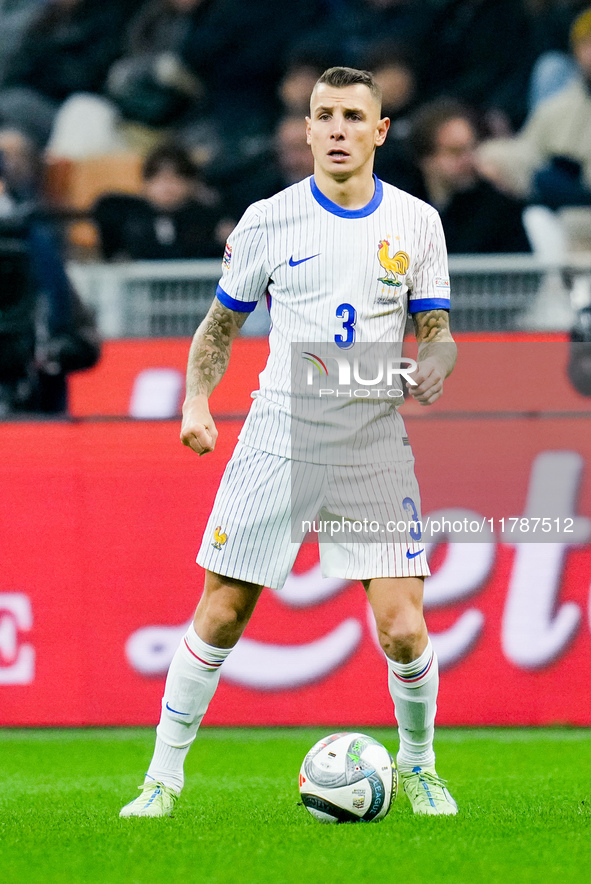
[516, 372]
[108, 389]
[100, 522]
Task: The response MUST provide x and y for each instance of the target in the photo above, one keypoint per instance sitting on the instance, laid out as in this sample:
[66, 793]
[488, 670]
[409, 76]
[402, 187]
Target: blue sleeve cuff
[233, 304]
[420, 305]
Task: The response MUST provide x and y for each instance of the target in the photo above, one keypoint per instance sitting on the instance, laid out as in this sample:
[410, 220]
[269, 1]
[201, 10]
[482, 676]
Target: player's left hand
[429, 379]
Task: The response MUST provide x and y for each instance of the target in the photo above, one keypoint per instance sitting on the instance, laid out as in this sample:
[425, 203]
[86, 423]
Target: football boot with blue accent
[155, 799]
[427, 792]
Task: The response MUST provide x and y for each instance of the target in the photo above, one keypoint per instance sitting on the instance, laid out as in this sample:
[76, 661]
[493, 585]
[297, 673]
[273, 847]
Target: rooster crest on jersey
[220, 538]
[396, 266]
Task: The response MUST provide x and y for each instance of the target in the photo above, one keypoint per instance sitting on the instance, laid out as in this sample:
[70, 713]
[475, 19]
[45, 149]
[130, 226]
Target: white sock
[413, 688]
[191, 682]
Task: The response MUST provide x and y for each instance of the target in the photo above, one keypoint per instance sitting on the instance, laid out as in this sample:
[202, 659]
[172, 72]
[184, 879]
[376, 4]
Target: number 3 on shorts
[348, 314]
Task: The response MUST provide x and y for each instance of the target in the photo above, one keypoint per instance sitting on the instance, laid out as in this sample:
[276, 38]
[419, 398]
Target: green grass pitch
[524, 797]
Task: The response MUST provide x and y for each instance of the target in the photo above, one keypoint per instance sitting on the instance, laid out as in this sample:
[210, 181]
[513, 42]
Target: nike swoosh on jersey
[410, 555]
[294, 263]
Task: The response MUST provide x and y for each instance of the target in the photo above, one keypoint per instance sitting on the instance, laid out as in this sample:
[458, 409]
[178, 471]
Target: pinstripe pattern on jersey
[305, 297]
[336, 429]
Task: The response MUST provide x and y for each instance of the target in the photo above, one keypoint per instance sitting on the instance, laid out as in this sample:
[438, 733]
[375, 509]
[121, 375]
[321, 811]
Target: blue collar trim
[335, 209]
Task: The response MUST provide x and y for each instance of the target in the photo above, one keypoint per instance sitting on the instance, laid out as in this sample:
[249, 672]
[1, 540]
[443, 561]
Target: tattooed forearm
[210, 350]
[434, 338]
[432, 325]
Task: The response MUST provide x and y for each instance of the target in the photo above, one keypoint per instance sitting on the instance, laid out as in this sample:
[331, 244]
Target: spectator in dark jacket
[476, 216]
[46, 331]
[149, 83]
[173, 219]
[67, 47]
[287, 160]
[482, 52]
[354, 26]
[395, 72]
[238, 51]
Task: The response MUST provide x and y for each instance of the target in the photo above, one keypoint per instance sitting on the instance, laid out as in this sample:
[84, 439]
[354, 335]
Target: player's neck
[350, 193]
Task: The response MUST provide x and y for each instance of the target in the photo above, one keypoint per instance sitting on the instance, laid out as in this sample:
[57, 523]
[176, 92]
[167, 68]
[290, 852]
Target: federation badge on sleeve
[227, 257]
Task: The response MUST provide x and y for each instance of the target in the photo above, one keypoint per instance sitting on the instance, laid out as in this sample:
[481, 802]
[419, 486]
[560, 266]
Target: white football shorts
[367, 519]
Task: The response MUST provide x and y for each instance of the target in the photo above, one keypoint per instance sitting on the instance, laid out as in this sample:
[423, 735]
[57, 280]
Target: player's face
[343, 129]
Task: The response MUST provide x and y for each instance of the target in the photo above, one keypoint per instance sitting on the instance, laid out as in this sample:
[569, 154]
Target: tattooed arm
[208, 359]
[437, 354]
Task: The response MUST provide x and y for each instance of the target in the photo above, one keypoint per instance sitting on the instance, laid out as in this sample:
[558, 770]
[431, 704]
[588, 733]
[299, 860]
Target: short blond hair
[341, 77]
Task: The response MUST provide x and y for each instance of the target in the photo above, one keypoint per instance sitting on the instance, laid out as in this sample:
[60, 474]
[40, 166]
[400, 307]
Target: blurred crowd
[468, 84]
[490, 103]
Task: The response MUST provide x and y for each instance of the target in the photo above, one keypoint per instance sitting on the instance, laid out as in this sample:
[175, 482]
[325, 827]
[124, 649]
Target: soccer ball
[348, 778]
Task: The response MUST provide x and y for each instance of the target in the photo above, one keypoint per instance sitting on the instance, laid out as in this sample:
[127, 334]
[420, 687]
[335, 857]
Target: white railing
[148, 298]
[489, 292]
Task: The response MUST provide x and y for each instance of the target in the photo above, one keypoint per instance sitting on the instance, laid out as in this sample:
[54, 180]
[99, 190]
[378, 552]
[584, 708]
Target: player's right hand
[198, 430]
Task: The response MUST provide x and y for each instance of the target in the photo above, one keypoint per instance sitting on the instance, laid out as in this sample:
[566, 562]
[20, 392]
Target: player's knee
[401, 635]
[224, 609]
[222, 614]
[221, 620]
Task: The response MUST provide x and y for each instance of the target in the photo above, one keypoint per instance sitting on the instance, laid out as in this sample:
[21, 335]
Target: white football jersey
[336, 281]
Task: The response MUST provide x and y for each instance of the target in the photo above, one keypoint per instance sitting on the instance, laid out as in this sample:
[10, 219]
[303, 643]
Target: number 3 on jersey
[348, 315]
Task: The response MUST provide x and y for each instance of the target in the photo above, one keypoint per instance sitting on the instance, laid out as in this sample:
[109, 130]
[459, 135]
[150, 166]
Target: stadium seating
[74, 185]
